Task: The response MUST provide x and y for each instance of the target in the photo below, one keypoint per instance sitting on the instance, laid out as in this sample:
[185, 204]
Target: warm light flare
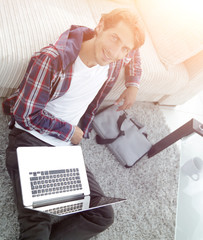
[175, 26]
[192, 6]
[192, 9]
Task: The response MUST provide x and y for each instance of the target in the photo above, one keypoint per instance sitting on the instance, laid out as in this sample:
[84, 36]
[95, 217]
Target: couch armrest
[194, 66]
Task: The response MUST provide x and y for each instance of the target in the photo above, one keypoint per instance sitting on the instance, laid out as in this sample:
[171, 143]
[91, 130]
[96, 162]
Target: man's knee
[108, 215]
[103, 216]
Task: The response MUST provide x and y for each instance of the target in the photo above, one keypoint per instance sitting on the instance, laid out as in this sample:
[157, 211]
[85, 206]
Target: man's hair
[131, 19]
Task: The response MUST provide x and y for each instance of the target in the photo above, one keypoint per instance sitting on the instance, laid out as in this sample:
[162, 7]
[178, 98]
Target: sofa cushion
[28, 26]
[176, 27]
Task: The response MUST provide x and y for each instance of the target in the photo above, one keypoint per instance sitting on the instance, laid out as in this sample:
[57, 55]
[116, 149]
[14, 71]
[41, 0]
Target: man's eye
[114, 38]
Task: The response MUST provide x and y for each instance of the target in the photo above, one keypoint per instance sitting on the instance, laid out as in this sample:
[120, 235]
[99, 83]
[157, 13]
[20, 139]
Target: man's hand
[128, 97]
[77, 136]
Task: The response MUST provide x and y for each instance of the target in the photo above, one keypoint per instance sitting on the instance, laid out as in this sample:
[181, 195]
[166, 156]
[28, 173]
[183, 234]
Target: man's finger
[123, 107]
[119, 100]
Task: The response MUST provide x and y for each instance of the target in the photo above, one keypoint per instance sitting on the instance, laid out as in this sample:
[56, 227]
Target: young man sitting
[65, 83]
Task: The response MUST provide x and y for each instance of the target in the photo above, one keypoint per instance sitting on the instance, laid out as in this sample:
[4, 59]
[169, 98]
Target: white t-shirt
[70, 107]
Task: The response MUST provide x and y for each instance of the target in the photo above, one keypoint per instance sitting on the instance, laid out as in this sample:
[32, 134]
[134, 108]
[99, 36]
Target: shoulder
[49, 55]
[49, 51]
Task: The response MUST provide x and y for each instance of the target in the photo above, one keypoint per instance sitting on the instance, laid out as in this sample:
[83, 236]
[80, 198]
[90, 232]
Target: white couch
[172, 56]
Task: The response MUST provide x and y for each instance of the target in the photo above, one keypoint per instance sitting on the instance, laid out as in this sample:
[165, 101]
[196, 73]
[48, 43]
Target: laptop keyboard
[65, 209]
[55, 181]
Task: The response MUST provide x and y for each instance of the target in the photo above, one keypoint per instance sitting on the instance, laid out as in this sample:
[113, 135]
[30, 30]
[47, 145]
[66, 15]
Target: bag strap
[120, 121]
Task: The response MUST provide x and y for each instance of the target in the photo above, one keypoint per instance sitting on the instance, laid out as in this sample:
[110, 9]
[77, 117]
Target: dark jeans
[36, 225]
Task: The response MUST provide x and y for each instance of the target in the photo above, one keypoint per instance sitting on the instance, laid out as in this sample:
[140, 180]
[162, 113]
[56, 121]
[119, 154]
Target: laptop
[54, 181]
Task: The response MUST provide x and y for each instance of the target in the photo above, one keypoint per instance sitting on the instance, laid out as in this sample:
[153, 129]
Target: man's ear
[100, 27]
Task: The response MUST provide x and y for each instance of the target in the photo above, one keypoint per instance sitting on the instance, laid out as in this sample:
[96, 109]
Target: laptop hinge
[57, 200]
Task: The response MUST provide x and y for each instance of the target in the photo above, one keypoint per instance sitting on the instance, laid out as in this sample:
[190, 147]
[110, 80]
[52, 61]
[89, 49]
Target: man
[64, 82]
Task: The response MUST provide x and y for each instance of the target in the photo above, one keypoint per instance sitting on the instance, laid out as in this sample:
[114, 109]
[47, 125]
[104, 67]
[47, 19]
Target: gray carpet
[150, 186]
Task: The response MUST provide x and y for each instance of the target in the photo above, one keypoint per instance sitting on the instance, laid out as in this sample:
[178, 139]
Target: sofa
[171, 57]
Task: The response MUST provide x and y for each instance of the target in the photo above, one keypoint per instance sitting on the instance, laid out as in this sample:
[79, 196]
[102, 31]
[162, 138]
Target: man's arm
[133, 73]
[34, 94]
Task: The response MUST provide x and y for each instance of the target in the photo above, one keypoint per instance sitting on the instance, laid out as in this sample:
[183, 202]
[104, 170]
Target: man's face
[113, 43]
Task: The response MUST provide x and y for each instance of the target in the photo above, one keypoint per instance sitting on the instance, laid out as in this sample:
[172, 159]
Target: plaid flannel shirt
[48, 77]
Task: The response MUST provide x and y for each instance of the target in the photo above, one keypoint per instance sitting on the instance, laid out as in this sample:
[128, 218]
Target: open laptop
[54, 180]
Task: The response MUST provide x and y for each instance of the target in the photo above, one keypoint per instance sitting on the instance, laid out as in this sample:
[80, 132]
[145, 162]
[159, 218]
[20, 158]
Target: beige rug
[150, 186]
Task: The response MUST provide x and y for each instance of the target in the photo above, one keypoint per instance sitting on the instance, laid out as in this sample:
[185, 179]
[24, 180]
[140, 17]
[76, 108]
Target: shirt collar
[69, 43]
